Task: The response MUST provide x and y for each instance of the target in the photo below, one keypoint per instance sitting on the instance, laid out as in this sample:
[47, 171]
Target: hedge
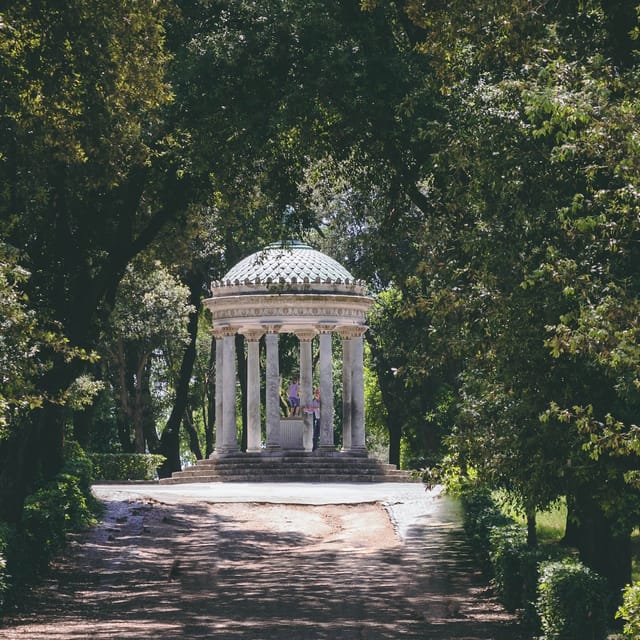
[61, 506]
[629, 611]
[122, 467]
[507, 547]
[48, 515]
[480, 516]
[551, 592]
[572, 602]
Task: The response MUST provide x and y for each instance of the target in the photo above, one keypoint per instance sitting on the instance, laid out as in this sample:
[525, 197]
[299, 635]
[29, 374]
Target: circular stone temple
[289, 287]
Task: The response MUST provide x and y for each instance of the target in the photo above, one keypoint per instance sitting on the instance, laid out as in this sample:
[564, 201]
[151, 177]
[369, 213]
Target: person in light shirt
[293, 393]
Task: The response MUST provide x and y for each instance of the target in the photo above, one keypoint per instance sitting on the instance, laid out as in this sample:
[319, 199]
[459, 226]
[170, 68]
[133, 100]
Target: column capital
[253, 334]
[352, 331]
[326, 327]
[224, 332]
[272, 327]
[306, 335]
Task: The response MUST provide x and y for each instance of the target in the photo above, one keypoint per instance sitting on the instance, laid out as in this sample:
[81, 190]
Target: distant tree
[149, 321]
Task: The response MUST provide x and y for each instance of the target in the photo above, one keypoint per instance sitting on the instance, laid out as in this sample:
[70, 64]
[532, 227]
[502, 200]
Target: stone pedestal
[292, 434]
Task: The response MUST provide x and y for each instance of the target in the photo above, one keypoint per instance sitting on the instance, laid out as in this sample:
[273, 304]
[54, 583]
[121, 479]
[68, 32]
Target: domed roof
[291, 266]
[290, 263]
[291, 286]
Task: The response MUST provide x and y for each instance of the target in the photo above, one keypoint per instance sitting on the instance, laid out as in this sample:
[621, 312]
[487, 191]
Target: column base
[225, 453]
[327, 448]
[360, 452]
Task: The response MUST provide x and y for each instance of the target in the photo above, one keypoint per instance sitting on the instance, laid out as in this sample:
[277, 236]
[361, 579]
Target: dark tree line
[477, 162]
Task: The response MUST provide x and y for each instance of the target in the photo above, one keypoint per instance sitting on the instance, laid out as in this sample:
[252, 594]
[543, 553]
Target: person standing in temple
[314, 408]
[293, 393]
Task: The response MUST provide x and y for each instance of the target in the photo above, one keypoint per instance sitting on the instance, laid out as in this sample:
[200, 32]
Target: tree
[88, 176]
[529, 230]
[149, 321]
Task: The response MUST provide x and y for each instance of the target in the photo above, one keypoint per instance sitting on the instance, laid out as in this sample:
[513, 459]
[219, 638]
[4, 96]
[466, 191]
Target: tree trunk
[606, 551]
[208, 409]
[29, 458]
[148, 421]
[124, 434]
[124, 384]
[189, 427]
[138, 405]
[390, 389]
[82, 421]
[170, 439]
[532, 534]
[571, 530]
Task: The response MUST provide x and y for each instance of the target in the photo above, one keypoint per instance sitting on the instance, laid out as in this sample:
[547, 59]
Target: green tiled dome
[287, 263]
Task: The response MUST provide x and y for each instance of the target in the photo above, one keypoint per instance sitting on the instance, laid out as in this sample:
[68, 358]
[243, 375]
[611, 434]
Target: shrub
[63, 505]
[125, 466]
[629, 611]
[508, 545]
[572, 602]
[5, 536]
[481, 515]
[48, 515]
[77, 463]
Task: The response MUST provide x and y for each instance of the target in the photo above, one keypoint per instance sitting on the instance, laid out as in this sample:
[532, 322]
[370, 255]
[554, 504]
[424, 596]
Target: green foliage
[520, 280]
[5, 536]
[145, 335]
[125, 466]
[572, 602]
[60, 507]
[481, 516]
[629, 611]
[506, 547]
[48, 515]
[78, 464]
[24, 341]
[501, 548]
[375, 412]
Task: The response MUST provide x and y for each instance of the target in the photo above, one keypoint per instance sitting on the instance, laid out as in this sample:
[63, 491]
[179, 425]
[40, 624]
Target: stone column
[306, 385]
[254, 435]
[230, 434]
[273, 388]
[347, 367]
[358, 445]
[326, 389]
[219, 386]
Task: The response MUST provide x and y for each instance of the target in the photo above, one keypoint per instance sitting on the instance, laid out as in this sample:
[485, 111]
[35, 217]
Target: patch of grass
[635, 555]
[550, 524]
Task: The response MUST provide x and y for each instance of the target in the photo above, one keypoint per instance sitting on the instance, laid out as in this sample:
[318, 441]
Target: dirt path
[264, 571]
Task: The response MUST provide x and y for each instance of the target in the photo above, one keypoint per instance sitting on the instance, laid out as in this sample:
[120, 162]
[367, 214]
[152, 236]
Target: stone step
[298, 466]
[285, 473]
[319, 478]
[290, 467]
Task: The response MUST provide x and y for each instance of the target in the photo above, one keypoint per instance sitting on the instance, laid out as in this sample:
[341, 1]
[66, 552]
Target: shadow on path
[265, 571]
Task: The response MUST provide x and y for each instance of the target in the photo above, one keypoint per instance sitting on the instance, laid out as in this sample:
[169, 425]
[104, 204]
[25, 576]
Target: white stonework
[289, 288]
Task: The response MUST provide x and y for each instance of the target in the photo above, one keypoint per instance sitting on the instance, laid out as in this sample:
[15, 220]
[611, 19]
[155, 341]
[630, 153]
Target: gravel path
[267, 562]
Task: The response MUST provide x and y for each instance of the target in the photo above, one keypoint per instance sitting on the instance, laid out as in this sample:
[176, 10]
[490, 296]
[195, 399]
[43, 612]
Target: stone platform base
[271, 466]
